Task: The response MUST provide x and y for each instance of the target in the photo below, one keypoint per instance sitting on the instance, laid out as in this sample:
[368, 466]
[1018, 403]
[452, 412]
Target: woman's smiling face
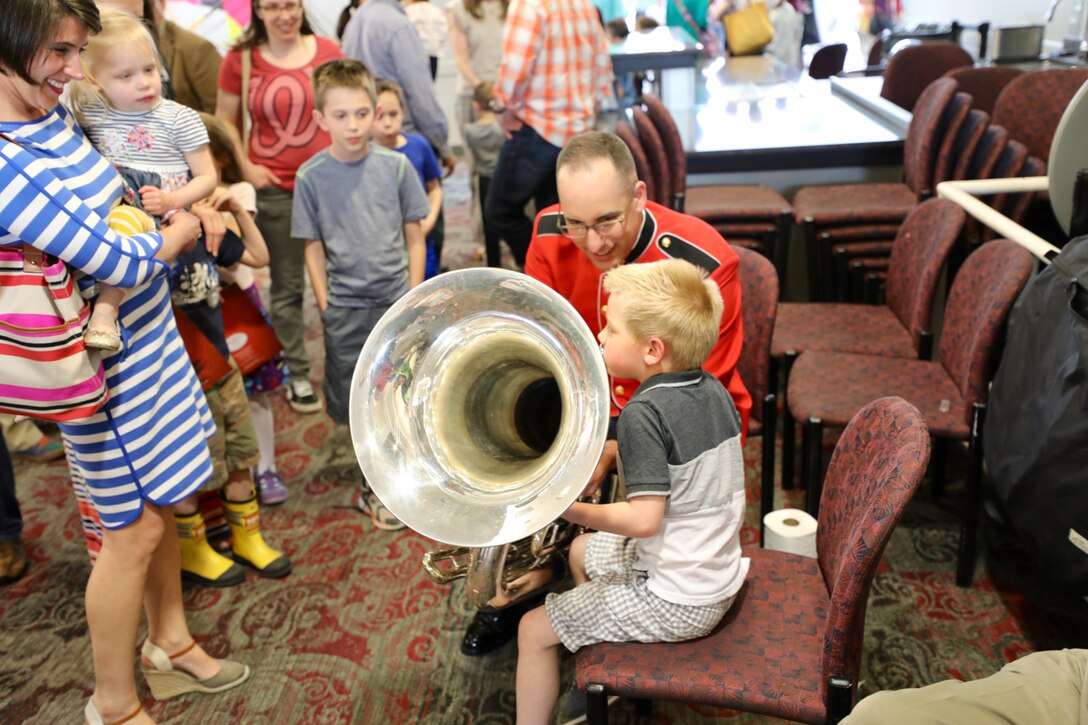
[54, 66]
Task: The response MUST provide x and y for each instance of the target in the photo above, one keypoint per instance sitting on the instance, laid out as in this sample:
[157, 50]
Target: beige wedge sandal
[166, 681]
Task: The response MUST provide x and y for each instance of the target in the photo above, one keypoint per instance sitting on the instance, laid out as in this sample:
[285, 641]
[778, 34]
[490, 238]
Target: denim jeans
[525, 171]
[11, 519]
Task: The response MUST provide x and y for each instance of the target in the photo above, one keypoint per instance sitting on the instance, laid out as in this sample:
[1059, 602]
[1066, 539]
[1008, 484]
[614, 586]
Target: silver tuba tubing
[479, 407]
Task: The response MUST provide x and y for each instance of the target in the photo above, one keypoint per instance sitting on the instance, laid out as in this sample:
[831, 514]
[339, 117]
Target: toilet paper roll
[790, 530]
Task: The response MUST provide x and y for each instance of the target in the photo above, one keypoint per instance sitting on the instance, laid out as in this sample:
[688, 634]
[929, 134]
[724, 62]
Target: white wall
[997, 12]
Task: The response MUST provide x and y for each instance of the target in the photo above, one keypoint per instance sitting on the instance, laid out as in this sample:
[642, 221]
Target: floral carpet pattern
[358, 633]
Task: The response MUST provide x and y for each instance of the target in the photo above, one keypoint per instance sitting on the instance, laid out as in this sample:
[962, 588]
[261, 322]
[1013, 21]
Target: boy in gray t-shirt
[665, 565]
[358, 207]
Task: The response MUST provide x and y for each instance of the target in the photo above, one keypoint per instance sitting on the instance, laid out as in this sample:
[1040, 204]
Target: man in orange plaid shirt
[556, 75]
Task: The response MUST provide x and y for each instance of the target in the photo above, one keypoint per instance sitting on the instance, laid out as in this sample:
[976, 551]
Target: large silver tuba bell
[479, 408]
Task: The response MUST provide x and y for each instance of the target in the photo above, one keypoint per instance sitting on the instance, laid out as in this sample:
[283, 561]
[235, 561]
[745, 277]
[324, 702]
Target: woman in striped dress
[146, 449]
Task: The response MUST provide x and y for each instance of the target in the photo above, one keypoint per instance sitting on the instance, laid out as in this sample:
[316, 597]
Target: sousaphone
[479, 409]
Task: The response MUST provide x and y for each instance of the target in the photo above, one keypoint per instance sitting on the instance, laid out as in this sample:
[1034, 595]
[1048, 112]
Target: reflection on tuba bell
[479, 408]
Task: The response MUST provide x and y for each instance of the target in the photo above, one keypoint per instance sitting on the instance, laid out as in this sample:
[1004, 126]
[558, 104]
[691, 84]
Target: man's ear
[655, 351]
[640, 195]
[319, 119]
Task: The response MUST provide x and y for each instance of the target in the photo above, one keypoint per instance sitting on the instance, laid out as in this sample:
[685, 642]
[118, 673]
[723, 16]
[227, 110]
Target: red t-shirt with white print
[283, 134]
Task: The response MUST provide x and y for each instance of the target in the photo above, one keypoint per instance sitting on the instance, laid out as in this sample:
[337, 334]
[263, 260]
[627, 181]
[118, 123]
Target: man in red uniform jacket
[603, 219]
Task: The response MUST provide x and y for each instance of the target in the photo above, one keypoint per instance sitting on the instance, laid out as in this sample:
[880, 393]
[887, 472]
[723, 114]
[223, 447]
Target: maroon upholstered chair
[1032, 104]
[654, 148]
[732, 210]
[954, 164]
[827, 61]
[759, 307]
[819, 208]
[828, 388]
[870, 252]
[984, 83]
[791, 644]
[900, 328]
[642, 163]
[911, 70]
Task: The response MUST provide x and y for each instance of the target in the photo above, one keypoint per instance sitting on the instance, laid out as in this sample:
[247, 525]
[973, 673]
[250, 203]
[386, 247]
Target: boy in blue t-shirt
[387, 132]
[359, 209]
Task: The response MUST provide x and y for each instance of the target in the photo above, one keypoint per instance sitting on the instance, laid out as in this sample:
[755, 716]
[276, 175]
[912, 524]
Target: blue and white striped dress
[150, 441]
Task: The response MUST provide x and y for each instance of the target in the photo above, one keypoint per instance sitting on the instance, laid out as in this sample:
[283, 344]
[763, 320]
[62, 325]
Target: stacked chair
[984, 83]
[848, 215]
[791, 644]
[752, 216]
[912, 69]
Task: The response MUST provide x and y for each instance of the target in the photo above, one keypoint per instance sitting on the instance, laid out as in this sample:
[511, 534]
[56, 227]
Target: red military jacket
[554, 260]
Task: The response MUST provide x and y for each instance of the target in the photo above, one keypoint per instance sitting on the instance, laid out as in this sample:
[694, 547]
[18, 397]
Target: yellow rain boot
[249, 547]
[201, 563]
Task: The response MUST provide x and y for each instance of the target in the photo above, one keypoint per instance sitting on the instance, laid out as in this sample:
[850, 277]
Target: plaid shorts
[616, 605]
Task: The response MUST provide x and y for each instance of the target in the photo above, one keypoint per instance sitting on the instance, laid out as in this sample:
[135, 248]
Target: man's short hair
[28, 26]
[590, 146]
[673, 300]
[385, 85]
[341, 73]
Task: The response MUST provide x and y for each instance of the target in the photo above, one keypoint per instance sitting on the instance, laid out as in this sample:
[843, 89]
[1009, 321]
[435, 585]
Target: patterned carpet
[358, 633]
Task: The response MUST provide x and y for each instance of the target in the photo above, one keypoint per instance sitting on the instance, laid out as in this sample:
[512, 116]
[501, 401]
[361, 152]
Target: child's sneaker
[368, 502]
[270, 488]
[301, 396]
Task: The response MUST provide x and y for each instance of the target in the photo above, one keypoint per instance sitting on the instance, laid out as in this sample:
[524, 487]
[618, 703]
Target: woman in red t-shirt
[283, 134]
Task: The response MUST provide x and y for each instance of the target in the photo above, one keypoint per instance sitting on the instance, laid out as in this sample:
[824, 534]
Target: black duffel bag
[1036, 434]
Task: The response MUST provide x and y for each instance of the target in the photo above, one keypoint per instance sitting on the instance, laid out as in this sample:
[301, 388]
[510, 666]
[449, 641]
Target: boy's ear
[377, 111]
[655, 351]
[319, 119]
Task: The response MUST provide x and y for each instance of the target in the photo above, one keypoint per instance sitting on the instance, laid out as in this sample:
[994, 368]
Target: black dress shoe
[490, 630]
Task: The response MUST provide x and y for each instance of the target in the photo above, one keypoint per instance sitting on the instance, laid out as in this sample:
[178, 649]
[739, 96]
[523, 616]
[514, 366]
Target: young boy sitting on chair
[666, 564]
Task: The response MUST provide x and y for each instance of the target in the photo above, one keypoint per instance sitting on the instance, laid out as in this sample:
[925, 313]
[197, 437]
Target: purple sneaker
[270, 488]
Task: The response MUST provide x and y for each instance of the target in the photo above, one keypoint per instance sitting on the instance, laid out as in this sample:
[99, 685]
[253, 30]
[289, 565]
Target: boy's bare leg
[577, 559]
[538, 669]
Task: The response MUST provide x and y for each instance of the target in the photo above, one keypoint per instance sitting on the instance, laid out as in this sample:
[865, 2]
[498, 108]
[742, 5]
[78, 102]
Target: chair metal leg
[596, 705]
[925, 345]
[781, 258]
[812, 447]
[972, 498]
[840, 699]
[937, 461]
[766, 494]
[813, 261]
[789, 426]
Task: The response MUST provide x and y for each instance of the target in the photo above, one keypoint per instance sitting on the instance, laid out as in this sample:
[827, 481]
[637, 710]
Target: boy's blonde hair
[120, 28]
[341, 73]
[673, 300]
[385, 85]
[484, 93]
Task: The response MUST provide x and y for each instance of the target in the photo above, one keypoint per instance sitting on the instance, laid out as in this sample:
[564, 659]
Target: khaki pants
[19, 435]
[1044, 687]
